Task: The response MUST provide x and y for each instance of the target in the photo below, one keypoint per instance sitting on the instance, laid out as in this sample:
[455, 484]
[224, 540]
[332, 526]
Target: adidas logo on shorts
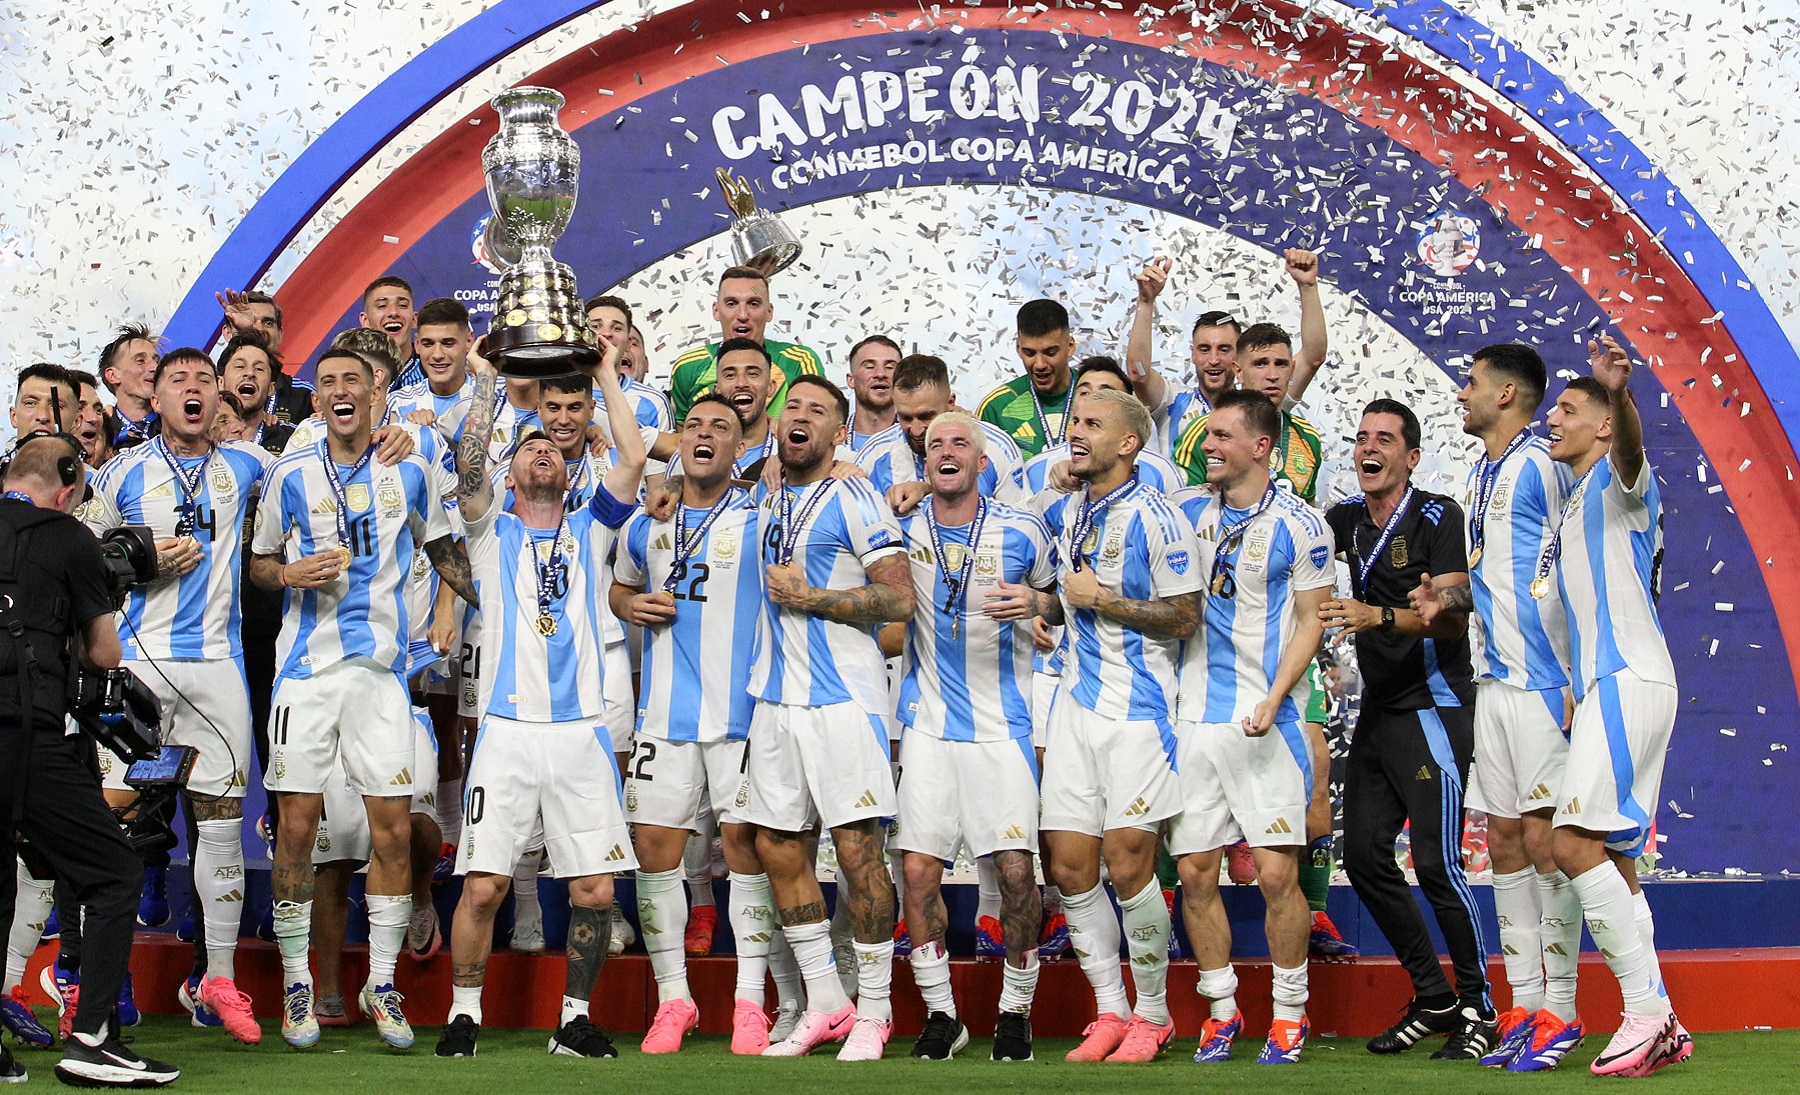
[1540, 792]
[1574, 806]
[616, 854]
[404, 779]
[1014, 832]
[1138, 806]
[1280, 827]
[867, 800]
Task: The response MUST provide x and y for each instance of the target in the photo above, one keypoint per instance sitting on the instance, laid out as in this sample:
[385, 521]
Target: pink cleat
[814, 1030]
[231, 1005]
[749, 1029]
[1098, 1041]
[1143, 1041]
[1633, 1046]
[868, 1038]
[674, 1018]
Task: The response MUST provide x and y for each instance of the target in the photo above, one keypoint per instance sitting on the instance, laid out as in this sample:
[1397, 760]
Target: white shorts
[618, 707]
[1044, 687]
[1520, 750]
[674, 783]
[205, 705]
[1105, 773]
[1617, 745]
[352, 710]
[983, 794]
[563, 773]
[1234, 787]
[817, 765]
[344, 819]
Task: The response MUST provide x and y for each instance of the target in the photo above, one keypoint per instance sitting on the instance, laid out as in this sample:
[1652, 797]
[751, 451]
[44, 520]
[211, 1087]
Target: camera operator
[54, 603]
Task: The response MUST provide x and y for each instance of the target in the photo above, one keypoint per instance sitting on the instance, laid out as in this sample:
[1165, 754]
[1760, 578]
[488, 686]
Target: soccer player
[543, 754]
[985, 569]
[1409, 757]
[744, 376]
[255, 313]
[610, 318]
[387, 306]
[1213, 348]
[1244, 763]
[1605, 555]
[818, 737]
[89, 424]
[872, 364]
[338, 530]
[1032, 408]
[180, 634]
[247, 370]
[897, 455]
[693, 582]
[443, 340]
[743, 310]
[1130, 587]
[1514, 495]
[126, 365]
[1265, 364]
[1050, 467]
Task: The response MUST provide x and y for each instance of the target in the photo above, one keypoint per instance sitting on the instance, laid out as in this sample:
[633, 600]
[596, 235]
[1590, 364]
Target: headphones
[68, 468]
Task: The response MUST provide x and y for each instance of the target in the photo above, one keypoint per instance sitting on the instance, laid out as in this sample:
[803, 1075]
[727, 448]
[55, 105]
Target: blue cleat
[1551, 1040]
[989, 946]
[299, 1026]
[1053, 941]
[16, 1017]
[1516, 1026]
[1216, 1038]
[1286, 1039]
[902, 940]
[52, 930]
[153, 906]
[1327, 944]
[128, 1009]
[189, 995]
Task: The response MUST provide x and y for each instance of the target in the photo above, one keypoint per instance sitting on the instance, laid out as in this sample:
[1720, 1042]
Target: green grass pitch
[514, 1062]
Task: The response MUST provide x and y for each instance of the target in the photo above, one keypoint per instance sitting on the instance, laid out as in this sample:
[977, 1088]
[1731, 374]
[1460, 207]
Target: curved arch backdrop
[1447, 220]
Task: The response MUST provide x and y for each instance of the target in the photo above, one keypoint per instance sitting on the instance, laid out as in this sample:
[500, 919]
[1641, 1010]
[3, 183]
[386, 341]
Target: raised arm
[1612, 367]
[1139, 355]
[474, 493]
[628, 469]
[1303, 267]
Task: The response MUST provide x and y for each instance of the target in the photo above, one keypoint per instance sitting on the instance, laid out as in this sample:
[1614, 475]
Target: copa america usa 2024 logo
[1449, 243]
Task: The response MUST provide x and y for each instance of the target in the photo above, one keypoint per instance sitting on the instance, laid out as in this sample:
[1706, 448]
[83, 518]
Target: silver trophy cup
[533, 168]
[758, 238]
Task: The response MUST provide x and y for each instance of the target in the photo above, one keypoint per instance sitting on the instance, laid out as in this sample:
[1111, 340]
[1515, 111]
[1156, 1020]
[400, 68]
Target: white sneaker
[787, 1017]
[623, 934]
[528, 936]
[868, 1037]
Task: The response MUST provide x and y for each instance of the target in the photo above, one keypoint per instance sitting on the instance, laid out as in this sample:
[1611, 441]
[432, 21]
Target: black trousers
[69, 826]
[1412, 766]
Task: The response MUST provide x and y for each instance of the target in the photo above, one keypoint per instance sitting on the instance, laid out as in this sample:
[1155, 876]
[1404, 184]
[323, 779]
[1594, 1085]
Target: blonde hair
[1137, 418]
[977, 435]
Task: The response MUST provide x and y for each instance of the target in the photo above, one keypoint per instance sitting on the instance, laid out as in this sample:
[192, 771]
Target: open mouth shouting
[704, 451]
[247, 388]
[192, 410]
[799, 434]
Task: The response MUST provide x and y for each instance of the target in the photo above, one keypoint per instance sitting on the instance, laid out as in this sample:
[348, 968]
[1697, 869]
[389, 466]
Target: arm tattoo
[887, 599]
[468, 975]
[1047, 604]
[590, 930]
[265, 571]
[1174, 618]
[451, 559]
[1457, 598]
[472, 484]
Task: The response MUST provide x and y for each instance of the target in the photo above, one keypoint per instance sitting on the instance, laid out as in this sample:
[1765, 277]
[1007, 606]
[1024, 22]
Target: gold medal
[546, 625]
[1475, 557]
[955, 628]
[343, 556]
[1218, 586]
[1540, 588]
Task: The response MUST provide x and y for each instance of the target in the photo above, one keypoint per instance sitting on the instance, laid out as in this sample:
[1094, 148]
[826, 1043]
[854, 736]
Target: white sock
[450, 810]
[696, 867]
[784, 967]
[1646, 926]
[987, 889]
[1290, 993]
[1611, 920]
[875, 980]
[1094, 935]
[1052, 900]
[388, 914]
[35, 900]
[818, 968]
[293, 931]
[931, 972]
[752, 914]
[1518, 907]
[1147, 941]
[1560, 930]
[1220, 987]
[466, 1001]
[524, 888]
[1018, 984]
[219, 887]
[572, 1008]
[662, 924]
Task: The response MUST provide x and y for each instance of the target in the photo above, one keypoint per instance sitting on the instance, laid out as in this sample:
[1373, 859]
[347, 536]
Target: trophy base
[539, 329]
[541, 360]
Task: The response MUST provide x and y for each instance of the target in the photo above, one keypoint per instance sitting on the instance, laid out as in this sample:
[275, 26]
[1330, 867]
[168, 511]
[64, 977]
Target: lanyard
[579, 474]
[189, 485]
[1043, 417]
[686, 545]
[338, 492]
[21, 496]
[1366, 566]
[1484, 493]
[958, 582]
[1231, 535]
[1540, 585]
[1278, 460]
[547, 570]
[1089, 512]
[792, 523]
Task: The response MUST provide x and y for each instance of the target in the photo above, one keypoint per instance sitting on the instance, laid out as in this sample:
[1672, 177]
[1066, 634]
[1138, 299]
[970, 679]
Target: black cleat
[12, 1070]
[1418, 1023]
[1012, 1037]
[580, 1038]
[1472, 1039]
[941, 1038]
[110, 1064]
[458, 1039]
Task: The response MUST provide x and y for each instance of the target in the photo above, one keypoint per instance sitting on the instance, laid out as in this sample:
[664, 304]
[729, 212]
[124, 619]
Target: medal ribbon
[792, 523]
[1231, 535]
[547, 569]
[1553, 550]
[1089, 512]
[958, 582]
[189, 485]
[1366, 566]
[337, 485]
[686, 545]
[1043, 417]
[1484, 492]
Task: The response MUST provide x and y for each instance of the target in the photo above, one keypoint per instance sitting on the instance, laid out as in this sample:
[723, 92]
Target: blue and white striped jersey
[1607, 573]
[1142, 549]
[1227, 667]
[971, 681]
[649, 406]
[363, 613]
[808, 660]
[696, 670]
[420, 397]
[1154, 469]
[197, 614]
[1182, 408]
[888, 458]
[1513, 636]
[539, 677]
